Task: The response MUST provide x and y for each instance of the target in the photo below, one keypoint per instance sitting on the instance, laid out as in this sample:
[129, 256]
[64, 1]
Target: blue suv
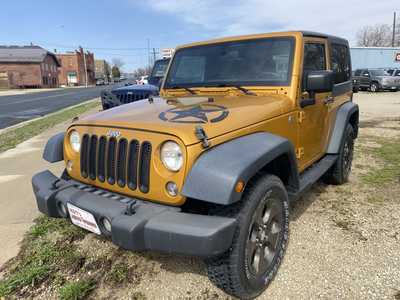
[136, 92]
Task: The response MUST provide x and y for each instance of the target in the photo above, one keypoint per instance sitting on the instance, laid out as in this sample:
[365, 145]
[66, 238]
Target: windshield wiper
[175, 87]
[240, 88]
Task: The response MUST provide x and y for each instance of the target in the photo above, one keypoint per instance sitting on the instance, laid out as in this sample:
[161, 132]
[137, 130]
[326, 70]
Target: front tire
[259, 242]
[340, 171]
[374, 87]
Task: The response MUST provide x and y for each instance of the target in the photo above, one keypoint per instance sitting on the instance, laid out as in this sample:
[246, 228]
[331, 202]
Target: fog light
[106, 225]
[172, 188]
[69, 165]
[62, 209]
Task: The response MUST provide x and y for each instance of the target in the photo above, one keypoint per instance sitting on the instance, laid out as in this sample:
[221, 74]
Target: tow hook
[130, 207]
[202, 136]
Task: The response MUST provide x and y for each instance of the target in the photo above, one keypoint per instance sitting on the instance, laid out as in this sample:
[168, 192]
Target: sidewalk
[17, 203]
[13, 92]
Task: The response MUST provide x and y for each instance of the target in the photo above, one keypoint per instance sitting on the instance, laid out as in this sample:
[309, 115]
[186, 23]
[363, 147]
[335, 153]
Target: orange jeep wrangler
[242, 127]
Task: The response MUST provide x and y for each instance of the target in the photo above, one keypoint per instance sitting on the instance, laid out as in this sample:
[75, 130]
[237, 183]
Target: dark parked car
[375, 80]
[136, 92]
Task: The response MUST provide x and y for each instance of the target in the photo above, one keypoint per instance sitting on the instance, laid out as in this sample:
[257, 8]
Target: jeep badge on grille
[113, 133]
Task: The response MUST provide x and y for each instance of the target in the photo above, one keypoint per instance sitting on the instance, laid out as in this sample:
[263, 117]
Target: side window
[314, 57]
[340, 62]
[397, 73]
[357, 73]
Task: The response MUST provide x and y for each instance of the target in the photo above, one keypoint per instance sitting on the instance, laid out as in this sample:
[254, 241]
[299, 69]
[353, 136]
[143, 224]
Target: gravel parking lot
[344, 240]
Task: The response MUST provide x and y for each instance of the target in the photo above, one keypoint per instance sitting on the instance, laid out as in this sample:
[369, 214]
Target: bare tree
[117, 62]
[142, 72]
[397, 33]
[378, 35]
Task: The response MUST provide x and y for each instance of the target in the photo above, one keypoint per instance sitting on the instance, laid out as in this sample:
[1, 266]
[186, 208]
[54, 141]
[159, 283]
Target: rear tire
[340, 171]
[259, 242]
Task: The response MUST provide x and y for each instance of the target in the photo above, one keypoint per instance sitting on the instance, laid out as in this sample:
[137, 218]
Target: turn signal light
[239, 186]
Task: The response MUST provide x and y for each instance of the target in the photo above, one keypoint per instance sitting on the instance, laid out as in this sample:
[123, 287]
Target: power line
[92, 48]
[122, 54]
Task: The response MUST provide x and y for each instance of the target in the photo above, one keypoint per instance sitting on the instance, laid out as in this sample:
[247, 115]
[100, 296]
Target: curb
[45, 116]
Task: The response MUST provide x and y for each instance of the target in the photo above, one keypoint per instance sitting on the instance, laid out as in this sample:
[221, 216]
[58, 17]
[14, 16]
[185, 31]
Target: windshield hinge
[301, 116]
[202, 136]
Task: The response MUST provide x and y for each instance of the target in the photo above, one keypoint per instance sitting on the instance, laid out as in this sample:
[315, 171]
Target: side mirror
[319, 82]
[316, 82]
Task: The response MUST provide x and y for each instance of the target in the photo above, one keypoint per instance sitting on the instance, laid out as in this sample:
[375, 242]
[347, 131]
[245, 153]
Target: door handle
[329, 100]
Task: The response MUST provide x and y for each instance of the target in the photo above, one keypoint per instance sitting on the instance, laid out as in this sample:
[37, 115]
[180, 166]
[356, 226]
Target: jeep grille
[117, 161]
[131, 97]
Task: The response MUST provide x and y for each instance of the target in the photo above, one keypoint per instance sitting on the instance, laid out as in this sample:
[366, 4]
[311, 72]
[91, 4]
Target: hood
[180, 116]
[135, 87]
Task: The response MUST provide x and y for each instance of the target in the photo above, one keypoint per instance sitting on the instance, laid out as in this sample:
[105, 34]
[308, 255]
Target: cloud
[221, 17]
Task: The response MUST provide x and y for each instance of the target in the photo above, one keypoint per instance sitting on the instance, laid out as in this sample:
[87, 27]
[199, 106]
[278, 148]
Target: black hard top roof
[333, 38]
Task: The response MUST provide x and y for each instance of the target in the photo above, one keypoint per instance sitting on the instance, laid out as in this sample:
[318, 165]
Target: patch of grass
[138, 296]
[76, 290]
[388, 153]
[118, 272]
[41, 257]
[29, 275]
[44, 225]
[13, 137]
[375, 199]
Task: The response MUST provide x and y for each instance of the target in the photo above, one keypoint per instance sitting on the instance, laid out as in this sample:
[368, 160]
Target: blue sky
[121, 28]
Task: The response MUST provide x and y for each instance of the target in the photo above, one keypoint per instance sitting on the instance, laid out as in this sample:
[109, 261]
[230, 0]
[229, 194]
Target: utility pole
[154, 55]
[84, 64]
[394, 29]
[148, 51]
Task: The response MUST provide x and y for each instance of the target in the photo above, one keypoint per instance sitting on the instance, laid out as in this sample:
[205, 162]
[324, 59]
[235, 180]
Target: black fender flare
[216, 172]
[343, 116]
[54, 149]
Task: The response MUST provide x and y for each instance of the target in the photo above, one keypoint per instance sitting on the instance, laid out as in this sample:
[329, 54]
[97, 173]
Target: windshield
[379, 73]
[253, 62]
[159, 68]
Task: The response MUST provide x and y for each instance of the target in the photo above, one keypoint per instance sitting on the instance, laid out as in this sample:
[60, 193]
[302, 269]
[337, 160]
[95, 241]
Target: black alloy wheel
[265, 233]
[259, 242]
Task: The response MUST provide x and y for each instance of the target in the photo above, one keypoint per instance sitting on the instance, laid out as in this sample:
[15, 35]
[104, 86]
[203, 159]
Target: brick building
[72, 70]
[102, 69]
[28, 66]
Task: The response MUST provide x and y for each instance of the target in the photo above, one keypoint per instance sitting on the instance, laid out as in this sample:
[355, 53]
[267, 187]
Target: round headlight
[75, 141]
[171, 156]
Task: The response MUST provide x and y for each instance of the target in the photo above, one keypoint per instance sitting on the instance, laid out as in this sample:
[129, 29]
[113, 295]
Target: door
[365, 78]
[313, 121]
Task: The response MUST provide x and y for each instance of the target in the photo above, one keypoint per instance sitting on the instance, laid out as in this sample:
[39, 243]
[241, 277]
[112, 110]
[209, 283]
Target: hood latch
[202, 136]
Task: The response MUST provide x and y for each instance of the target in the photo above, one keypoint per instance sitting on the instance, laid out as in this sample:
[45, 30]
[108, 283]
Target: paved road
[18, 108]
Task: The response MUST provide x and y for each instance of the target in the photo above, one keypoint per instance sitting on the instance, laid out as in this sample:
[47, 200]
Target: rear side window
[340, 62]
[314, 57]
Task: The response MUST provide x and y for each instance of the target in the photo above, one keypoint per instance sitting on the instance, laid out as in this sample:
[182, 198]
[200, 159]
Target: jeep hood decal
[179, 117]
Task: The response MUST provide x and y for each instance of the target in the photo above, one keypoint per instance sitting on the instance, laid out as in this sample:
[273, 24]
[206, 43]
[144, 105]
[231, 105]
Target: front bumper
[135, 224]
[392, 87]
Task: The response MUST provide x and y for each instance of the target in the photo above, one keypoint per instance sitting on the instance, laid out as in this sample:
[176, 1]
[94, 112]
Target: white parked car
[143, 80]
